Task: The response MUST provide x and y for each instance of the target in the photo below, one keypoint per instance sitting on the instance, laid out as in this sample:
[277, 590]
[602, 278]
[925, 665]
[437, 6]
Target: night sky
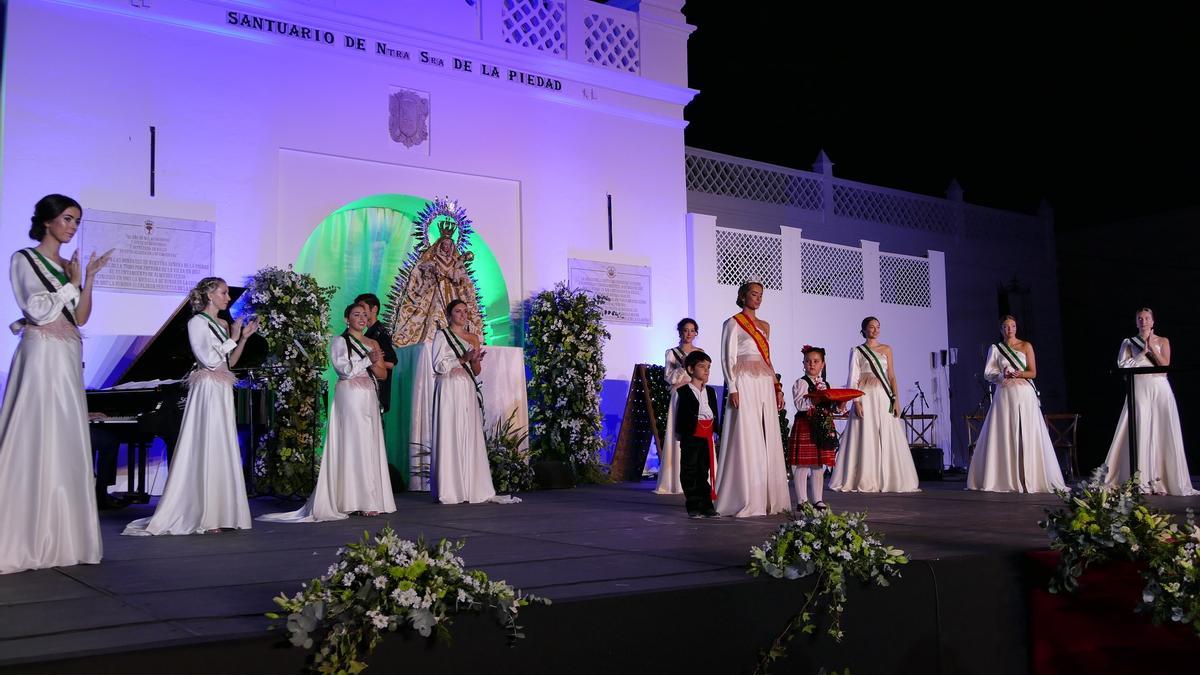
[1093, 111]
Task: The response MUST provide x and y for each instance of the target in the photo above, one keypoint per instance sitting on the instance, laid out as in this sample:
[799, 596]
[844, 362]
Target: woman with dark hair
[354, 469]
[676, 376]
[46, 481]
[1161, 460]
[1014, 452]
[874, 455]
[751, 478]
[205, 489]
[460, 465]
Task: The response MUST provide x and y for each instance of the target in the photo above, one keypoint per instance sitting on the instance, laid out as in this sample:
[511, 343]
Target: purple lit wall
[266, 134]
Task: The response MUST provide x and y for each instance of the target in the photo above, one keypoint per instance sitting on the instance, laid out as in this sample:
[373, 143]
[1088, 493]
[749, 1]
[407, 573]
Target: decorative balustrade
[720, 175]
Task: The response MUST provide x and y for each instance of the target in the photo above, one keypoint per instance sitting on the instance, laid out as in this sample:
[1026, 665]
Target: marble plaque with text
[626, 286]
[153, 254]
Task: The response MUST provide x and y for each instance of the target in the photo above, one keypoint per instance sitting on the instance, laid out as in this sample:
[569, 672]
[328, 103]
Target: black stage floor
[573, 546]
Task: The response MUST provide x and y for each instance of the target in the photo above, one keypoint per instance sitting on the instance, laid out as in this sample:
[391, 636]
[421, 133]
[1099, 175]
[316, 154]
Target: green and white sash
[679, 355]
[880, 374]
[218, 330]
[1017, 361]
[357, 348]
[460, 350]
[1139, 343]
[48, 274]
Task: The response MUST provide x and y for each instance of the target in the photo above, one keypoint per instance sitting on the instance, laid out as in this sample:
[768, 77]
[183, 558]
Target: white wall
[248, 122]
[799, 318]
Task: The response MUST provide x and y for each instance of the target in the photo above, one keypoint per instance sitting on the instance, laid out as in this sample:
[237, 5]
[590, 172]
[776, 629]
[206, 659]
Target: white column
[870, 254]
[940, 374]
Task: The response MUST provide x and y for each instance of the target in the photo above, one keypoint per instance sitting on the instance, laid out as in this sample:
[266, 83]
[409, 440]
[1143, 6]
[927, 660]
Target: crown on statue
[446, 229]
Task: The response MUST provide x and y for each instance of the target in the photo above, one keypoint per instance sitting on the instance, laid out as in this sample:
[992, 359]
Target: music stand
[1129, 374]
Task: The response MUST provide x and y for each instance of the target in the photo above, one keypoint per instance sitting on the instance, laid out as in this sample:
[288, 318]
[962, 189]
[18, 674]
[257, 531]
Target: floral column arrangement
[564, 351]
[293, 315]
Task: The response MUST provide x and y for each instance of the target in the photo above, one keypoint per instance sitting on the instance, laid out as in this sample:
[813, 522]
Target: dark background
[1092, 111]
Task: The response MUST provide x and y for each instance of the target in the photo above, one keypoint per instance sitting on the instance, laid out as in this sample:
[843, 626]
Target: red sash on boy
[764, 348]
[704, 429]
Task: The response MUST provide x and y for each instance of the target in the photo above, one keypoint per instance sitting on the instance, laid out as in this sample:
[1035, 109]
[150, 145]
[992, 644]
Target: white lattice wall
[820, 297]
[612, 42]
[832, 270]
[894, 208]
[587, 32]
[744, 180]
[748, 256]
[838, 200]
[535, 24]
[903, 280]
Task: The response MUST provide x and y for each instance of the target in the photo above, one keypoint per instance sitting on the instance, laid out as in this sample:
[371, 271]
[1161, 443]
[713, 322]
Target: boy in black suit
[696, 420]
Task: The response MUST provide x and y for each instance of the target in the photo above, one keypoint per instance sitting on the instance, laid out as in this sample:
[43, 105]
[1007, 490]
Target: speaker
[928, 461]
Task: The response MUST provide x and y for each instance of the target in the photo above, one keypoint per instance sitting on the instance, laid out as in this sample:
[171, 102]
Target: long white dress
[205, 488]
[1014, 452]
[874, 456]
[460, 465]
[751, 478]
[354, 468]
[47, 488]
[668, 456]
[1161, 461]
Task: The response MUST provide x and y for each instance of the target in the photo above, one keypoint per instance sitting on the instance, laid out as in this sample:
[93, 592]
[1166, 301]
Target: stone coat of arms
[408, 117]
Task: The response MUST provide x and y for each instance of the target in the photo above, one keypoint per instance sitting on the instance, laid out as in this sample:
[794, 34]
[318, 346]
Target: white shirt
[705, 412]
[801, 388]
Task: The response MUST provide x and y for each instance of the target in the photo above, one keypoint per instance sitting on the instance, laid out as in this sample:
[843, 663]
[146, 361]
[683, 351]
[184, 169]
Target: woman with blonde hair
[751, 478]
[1161, 460]
[205, 489]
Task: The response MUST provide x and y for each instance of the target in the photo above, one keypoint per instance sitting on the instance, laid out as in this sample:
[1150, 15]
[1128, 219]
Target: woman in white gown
[1161, 461]
[751, 478]
[676, 376]
[460, 464]
[46, 481]
[205, 489]
[874, 455]
[354, 468]
[1014, 452]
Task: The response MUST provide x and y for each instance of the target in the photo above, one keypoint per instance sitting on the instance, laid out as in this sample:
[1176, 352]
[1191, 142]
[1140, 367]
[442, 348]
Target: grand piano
[146, 401]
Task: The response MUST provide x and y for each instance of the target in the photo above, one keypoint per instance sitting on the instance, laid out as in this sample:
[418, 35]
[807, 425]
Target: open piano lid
[168, 356]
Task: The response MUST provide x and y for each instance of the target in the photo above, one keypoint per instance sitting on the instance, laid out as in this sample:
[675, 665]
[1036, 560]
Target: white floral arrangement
[387, 584]
[564, 349]
[293, 314]
[833, 546]
[1099, 523]
[1172, 592]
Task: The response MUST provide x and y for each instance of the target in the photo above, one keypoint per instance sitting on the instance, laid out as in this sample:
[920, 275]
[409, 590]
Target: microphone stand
[986, 401]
